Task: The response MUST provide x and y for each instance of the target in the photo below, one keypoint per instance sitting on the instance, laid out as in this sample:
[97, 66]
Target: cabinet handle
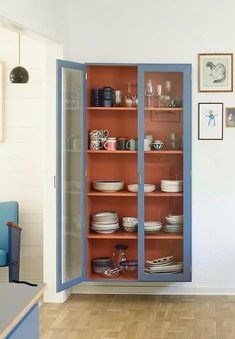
[140, 178]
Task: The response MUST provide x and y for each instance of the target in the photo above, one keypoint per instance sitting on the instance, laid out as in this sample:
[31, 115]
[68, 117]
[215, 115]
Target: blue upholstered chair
[10, 233]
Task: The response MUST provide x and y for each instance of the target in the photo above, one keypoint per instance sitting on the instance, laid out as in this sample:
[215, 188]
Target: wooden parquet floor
[142, 317]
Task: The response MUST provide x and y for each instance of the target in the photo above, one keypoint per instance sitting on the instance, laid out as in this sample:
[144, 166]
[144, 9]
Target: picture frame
[230, 116]
[1, 99]
[210, 121]
[215, 72]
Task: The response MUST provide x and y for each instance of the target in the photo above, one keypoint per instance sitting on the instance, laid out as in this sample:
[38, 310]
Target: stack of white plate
[174, 224]
[105, 222]
[129, 224]
[163, 265]
[152, 226]
[108, 185]
[172, 185]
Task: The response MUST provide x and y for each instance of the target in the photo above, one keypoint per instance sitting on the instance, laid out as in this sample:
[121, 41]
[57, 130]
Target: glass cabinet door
[70, 174]
[165, 169]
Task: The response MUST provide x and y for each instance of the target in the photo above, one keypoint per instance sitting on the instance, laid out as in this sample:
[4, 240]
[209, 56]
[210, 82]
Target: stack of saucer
[129, 224]
[172, 185]
[105, 222]
[152, 226]
[174, 224]
[163, 265]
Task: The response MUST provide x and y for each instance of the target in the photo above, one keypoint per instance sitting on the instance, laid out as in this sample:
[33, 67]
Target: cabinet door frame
[64, 285]
[186, 69]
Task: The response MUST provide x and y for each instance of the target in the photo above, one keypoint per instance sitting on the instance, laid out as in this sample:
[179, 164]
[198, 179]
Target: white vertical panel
[1, 99]
[21, 152]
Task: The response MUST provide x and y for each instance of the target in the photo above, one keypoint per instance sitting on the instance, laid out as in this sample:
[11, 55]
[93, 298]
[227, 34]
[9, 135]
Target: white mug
[147, 145]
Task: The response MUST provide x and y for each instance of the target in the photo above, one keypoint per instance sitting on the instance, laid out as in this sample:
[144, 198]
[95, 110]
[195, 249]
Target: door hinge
[54, 181]
[140, 178]
[86, 76]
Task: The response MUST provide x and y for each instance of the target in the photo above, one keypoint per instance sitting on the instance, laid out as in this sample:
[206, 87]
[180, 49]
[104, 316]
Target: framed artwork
[1, 100]
[230, 116]
[215, 72]
[210, 121]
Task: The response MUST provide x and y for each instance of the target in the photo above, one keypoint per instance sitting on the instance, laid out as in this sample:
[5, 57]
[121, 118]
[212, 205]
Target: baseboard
[52, 297]
[153, 290]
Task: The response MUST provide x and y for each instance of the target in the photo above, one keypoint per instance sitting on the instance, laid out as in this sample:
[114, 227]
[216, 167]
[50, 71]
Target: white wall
[175, 32]
[21, 153]
[47, 18]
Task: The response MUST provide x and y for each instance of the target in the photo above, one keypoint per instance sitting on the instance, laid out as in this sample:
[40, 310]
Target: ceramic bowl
[108, 185]
[129, 266]
[147, 188]
[174, 221]
[130, 229]
[132, 188]
[129, 219]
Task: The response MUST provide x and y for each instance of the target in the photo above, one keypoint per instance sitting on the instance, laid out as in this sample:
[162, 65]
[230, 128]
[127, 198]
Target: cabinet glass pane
[163, 168]
[71, 173]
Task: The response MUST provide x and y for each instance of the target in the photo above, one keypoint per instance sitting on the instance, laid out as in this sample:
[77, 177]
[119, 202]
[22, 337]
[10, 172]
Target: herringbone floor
[142, 317]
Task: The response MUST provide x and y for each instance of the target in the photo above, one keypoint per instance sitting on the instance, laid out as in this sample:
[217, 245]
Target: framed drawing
[230, 116]
[210, 121]
[215, 72]
[1, 99]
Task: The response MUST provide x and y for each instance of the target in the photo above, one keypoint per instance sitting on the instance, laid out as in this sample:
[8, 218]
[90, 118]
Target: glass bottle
[120, 254]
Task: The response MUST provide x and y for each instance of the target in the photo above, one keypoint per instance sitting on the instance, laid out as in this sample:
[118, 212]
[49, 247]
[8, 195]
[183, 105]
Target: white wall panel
[21, 153]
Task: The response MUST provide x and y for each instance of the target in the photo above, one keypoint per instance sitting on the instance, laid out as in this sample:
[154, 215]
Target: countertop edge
[24, 311]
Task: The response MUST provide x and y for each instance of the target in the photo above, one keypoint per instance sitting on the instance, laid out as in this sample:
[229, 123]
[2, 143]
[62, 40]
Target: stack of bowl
[152, 227]
[129, 224]
[105, 222]
[174, 224]
[99, 265]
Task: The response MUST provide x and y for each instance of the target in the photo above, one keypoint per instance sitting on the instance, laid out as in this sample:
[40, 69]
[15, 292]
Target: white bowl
[108, 185]
[129, 219]
[174, 221]
[147, 188]
[132, 188]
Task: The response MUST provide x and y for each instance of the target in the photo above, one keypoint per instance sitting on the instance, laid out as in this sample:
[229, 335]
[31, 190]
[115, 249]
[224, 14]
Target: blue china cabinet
[154, 116]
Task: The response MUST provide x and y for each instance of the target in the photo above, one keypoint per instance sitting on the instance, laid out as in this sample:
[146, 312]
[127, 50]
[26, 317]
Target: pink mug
[110, 144]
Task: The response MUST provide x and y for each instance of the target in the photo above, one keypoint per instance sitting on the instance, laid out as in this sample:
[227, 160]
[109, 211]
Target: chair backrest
[8, 212]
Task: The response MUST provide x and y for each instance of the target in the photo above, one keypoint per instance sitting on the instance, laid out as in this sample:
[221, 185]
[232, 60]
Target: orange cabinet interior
[103, 165]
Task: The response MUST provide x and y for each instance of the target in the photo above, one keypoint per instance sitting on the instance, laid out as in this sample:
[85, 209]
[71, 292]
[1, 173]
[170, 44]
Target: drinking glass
[149, 92]
[128, 99]
[168, 87]
[159, 94]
